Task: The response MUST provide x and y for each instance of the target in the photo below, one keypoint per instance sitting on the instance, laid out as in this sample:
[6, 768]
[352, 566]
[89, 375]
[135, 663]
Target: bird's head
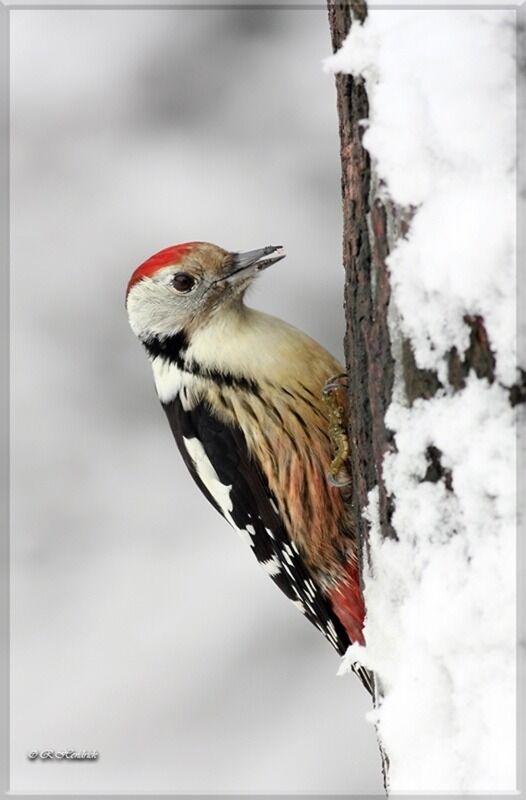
[181, 287]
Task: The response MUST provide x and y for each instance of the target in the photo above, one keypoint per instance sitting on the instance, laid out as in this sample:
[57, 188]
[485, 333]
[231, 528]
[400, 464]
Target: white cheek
[138, 314]
[155, 310]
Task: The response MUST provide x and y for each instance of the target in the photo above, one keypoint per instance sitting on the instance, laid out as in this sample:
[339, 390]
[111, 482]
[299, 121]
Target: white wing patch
[247, 534]
[204, 468]
[301, 607]
[288, 555]
[272, 566]
[331, 631]
[219, 491]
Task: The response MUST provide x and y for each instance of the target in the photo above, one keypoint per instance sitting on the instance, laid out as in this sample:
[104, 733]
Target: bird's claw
[335, 398]
[335, 383]
[338, 476]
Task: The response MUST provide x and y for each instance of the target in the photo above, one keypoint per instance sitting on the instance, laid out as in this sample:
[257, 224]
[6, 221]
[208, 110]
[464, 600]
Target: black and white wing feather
[218, 459]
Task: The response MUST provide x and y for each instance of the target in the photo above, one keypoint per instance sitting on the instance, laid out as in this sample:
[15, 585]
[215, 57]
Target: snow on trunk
[440, 594]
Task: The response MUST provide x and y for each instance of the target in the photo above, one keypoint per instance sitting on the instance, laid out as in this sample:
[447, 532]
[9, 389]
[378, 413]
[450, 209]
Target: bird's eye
[183, 282]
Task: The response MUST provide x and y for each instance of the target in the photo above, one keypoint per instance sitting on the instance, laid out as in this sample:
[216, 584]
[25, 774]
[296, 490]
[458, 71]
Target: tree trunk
[375, 349]
[367, 344]
[370, 228]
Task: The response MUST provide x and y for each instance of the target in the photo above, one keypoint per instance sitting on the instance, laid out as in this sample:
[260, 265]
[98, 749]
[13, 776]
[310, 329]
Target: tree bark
[368, 351]
[370, 228]
[374, 354]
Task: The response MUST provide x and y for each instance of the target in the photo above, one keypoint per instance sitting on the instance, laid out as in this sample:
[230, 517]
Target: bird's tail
[366, 677]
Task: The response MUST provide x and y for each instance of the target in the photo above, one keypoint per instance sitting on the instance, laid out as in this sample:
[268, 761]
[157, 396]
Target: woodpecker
[242, 391]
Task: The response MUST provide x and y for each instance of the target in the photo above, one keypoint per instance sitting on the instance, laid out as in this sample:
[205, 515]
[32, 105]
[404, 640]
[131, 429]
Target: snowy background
[141, 627]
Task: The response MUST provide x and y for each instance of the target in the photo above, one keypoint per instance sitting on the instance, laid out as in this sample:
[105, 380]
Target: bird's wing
[218, 459]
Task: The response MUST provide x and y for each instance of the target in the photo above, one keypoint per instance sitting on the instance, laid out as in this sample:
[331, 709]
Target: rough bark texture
[369, 360]
[370, 227]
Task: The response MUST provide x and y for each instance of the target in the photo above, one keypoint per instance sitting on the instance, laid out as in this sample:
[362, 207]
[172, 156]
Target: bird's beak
[245, 265]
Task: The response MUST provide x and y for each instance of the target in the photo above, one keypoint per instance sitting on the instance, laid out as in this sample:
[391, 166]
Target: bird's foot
[335, 399]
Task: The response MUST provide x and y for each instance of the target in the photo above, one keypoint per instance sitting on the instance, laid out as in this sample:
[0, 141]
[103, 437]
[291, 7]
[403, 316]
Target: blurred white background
[141, 626]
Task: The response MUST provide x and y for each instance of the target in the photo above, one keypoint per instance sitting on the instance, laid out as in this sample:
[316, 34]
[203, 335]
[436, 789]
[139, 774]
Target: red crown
[164, 258]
